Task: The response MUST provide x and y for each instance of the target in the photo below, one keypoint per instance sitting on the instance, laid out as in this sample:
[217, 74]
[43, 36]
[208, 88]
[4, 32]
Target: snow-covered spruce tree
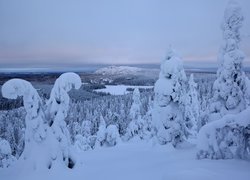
[57, 110]
[148, 127]
[229, 137]
[81, 143]
[74, 129]
[230, 90]
[192, 109]
[135, 110]
[87, 131]
[86, 128]
[35, 132]
[135, 126]
[168, 112]
[112, 135]
[101, 133]
[6, 158]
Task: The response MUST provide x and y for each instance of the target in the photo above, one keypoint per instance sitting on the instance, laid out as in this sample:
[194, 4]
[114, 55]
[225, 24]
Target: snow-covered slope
[139, 161]
[118, 70]
[125, 75]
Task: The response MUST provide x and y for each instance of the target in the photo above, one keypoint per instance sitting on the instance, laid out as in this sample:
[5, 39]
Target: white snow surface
[120, 89]
[139, 160]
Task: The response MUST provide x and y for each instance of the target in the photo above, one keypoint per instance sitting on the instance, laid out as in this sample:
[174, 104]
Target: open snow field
[140, 161]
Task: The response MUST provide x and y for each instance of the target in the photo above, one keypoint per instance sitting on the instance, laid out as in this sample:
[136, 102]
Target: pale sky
[40, 33]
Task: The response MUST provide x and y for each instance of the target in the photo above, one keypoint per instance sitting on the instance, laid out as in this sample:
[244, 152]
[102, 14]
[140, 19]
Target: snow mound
[118, 70]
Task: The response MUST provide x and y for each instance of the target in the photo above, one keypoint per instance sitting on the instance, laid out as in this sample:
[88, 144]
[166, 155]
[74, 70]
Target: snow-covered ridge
[118, 70]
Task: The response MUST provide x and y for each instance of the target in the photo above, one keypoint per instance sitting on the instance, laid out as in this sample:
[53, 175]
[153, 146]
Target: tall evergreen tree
[228, 136]
[168, 112]
[135, 126]
[192, 109]
[230, 89]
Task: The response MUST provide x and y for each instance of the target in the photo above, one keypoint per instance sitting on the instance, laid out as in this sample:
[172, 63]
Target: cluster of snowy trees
[83, 118]
[178, 110]
[224, 130]
[6, 158]
[109, 120]
[46, 133]
[12, 128]
[58, 129]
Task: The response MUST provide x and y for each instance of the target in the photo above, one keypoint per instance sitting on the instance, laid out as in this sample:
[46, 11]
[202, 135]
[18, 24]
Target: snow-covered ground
[120, 89]
[140, 161]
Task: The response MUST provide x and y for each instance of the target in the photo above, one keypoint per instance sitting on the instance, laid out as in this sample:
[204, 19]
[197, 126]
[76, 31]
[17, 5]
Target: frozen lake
[120, 89]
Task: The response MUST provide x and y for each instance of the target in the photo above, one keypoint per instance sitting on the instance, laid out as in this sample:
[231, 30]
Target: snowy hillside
[118, 70]
[125, 75]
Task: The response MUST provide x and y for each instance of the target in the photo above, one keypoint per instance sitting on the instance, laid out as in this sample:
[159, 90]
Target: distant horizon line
[76, 65]
[46, 65]
[96, 65]
[90, 67]
[65, 65]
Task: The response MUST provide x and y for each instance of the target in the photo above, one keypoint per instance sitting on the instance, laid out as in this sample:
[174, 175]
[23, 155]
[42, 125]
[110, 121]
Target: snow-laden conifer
[57, 110]
[228, 136]
[168, 112]
[36, 128]
[230, 87]
[192, 109]
[101, 133]
[136, 125]
[112, 136]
